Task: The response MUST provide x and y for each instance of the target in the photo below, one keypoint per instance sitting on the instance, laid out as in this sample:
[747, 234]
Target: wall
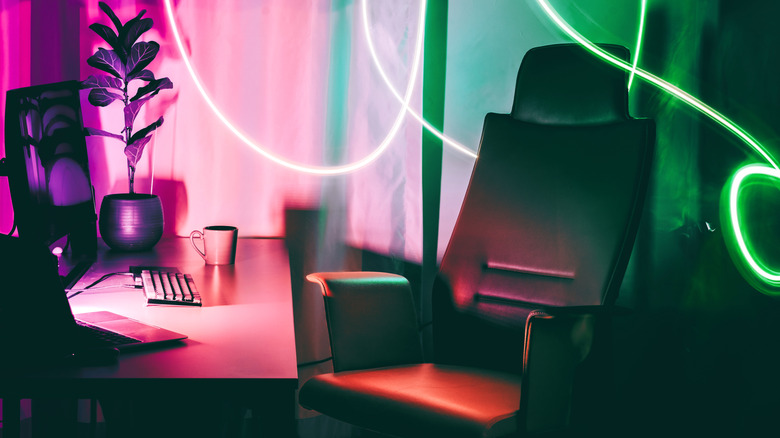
[699, 348]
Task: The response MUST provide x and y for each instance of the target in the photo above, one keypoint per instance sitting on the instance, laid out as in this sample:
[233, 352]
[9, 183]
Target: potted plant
[128, 221]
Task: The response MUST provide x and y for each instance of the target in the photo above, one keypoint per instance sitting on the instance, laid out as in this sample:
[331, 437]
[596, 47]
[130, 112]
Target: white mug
[219, 244]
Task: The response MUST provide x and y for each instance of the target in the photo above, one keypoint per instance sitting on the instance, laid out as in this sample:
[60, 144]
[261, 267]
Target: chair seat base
[419, 400]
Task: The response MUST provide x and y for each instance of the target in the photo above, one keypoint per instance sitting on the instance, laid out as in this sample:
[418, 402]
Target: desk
[241, 343]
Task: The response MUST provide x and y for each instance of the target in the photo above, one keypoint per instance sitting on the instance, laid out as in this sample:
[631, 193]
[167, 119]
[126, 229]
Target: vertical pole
[434, 75]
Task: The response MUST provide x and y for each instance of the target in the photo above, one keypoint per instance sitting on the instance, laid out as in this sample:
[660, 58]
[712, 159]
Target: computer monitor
[48, 172]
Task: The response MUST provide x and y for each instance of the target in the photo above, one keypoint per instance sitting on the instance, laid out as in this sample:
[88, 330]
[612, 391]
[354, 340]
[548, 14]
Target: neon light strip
[769, 278]
[660, 83]
[743, 173]
[640, 36]
[392, 89]
[318, 170]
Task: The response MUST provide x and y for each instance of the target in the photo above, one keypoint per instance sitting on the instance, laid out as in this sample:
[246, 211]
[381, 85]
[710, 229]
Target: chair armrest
[372, 320]
[556, 342]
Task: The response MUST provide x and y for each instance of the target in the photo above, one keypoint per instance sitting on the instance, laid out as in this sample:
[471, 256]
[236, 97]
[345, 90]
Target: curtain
[295, 78]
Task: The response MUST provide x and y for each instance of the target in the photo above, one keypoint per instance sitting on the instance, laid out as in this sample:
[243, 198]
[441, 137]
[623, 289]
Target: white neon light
[392, 89]
[318, 170]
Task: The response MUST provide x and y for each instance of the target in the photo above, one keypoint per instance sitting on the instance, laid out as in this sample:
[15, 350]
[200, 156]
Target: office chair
[532, 270]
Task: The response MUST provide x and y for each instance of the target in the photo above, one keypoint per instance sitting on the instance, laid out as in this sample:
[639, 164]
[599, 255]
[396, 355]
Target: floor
[317, 426]
[326, 427]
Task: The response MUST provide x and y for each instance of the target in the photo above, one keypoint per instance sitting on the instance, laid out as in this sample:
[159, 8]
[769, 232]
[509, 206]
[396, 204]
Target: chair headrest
[564, 84]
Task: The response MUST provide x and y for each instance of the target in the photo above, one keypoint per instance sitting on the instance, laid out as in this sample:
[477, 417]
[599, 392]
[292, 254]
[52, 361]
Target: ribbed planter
[131, 221]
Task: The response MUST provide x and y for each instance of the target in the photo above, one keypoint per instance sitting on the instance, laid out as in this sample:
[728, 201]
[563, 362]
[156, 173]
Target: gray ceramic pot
[131, 221]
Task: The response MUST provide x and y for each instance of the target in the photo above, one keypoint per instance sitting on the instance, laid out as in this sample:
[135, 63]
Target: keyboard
[169, 287]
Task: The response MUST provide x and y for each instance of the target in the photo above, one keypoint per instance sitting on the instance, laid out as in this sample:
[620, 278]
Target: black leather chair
[535, 260]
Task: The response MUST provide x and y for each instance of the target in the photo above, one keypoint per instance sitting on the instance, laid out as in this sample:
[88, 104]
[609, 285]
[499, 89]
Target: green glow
[741, 254]
[660, 83]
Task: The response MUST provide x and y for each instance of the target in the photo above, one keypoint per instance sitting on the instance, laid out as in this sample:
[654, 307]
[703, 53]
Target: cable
[103, 278]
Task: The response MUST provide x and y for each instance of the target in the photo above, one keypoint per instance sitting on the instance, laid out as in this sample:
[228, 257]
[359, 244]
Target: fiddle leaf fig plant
[125, 61]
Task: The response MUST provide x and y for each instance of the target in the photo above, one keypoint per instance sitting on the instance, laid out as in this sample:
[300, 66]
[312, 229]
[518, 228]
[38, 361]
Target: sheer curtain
[294, 77]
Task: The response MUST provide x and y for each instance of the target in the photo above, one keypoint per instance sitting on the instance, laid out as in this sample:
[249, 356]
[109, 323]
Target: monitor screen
[48, 169]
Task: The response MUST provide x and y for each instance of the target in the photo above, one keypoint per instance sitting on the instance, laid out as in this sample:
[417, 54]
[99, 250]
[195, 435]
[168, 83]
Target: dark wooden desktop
[240, 346]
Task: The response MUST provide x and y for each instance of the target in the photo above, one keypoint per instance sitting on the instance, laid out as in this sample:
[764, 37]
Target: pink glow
[268, 77]
[15, 59]
[338, 169]
[267, 67]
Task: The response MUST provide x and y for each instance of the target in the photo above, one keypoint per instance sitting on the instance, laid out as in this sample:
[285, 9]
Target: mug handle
[197, 235]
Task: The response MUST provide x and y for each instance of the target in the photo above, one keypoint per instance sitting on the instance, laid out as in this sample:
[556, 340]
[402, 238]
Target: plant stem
[131, 176]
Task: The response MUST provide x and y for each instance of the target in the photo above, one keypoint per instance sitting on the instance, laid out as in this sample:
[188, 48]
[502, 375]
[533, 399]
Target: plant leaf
[110, 37]
[132, 110]
[141, 55]
[114, 19]
[148, 129]
[95, 131]
[134, 29]
[102, 81]
[102, 97]
[108, 61]
[153, 87]
[145, 75]
[129, 23]
[134, 150]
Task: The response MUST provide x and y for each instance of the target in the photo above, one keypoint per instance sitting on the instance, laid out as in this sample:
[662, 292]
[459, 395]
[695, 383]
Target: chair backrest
[552, 208]
[369, 327]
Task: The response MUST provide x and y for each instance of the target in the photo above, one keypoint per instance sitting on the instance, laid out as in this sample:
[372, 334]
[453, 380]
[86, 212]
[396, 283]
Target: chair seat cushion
[419, 400]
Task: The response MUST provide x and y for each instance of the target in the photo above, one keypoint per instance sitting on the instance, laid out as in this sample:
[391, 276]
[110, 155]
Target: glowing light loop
[768, 276]
[318, 170]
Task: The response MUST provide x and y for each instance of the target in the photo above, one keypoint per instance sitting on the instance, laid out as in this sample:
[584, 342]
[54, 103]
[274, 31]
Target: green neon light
[753, 269]
[639, 38]
[741, 254]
